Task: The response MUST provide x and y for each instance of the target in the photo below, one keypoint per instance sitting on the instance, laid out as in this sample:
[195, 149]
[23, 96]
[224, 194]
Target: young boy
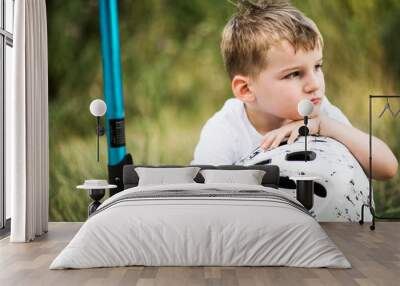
[273, 55]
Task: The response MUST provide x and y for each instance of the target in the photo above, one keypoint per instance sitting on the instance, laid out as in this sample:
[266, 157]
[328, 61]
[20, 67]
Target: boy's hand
[290, 132]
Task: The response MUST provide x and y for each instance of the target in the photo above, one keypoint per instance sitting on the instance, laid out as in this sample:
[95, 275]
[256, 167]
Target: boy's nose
[312, 84]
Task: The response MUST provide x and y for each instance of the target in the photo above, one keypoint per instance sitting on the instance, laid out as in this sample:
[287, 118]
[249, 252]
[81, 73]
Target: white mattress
[190, 230]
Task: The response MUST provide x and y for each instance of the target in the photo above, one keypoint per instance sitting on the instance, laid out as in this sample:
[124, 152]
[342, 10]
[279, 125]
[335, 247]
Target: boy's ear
[241, 90]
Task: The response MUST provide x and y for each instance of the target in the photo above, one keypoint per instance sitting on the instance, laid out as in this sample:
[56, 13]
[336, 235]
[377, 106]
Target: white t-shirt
[229, 136]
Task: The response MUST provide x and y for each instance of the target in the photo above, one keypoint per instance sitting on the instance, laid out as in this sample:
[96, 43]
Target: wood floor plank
[131, 276]
[374, 255]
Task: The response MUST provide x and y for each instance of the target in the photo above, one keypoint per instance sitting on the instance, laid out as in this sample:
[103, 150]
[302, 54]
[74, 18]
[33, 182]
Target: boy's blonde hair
[256, 26]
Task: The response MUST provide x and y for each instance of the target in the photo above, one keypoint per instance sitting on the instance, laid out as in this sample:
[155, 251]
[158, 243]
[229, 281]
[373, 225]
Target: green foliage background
[174, 80]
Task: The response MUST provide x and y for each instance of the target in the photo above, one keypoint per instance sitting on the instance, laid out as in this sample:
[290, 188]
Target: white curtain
[27, 153]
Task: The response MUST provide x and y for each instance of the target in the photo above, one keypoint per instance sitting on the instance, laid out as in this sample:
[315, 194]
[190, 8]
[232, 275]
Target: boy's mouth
[315, 101]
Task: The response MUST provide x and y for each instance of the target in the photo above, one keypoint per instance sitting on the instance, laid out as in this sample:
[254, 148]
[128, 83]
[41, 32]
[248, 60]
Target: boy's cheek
[279, 107]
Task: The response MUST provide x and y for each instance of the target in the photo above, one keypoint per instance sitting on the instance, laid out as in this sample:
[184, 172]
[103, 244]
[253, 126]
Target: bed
[201, 224]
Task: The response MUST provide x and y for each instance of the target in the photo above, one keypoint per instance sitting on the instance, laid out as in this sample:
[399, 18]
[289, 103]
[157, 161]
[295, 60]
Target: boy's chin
[315, 113]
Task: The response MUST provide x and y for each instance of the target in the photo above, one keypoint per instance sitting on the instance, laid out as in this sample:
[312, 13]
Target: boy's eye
[292, 75]
[318, 67]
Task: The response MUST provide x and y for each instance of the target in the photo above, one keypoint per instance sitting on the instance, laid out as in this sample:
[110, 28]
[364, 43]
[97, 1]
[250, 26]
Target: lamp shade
[98, 107]
[305, 107]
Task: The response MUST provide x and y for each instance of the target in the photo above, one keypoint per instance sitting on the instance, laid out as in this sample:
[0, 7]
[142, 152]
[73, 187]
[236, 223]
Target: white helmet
[342, 187]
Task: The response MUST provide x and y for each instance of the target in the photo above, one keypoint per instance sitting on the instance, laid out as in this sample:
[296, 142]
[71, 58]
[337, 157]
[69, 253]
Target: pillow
[162, 176]
[248, 177]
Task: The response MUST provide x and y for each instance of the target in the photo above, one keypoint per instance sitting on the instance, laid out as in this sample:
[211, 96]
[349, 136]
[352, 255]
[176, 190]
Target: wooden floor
[374, 255]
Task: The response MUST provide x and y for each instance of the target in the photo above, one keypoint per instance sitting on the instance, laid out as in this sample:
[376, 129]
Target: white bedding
[232, 230]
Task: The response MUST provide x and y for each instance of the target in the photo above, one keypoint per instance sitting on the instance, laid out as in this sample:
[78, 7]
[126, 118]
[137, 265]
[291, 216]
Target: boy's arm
[384, 162]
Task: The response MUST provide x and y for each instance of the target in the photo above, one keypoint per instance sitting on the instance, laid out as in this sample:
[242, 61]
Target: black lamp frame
[369, 204]
[99, 132]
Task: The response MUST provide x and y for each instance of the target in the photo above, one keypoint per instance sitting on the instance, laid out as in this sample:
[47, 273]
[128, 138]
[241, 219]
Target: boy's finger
[267, 142]
[276, 142]
[292, 137]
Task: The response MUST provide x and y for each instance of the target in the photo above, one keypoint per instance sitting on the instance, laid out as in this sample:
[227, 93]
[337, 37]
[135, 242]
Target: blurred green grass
[174, 80]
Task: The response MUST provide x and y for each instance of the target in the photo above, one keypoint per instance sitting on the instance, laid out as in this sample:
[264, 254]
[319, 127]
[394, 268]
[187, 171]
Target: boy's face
[288, 78]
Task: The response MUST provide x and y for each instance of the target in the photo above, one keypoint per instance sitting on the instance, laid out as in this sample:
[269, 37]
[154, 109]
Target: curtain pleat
[15, 130]
[45, 118]
[29, 161]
